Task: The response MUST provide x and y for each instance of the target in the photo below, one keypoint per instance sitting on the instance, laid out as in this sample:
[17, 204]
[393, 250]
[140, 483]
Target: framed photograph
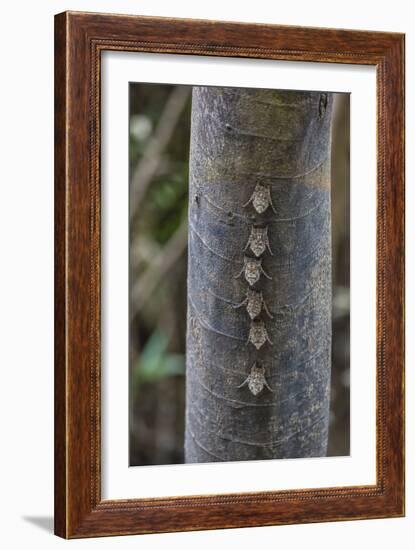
[229, 275]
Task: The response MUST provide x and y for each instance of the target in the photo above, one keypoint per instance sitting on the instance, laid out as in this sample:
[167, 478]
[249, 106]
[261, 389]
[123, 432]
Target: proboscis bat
[256, 380]
[258, 241]
[261, 199]
[254, 302]
[252, 270]
[258, 334]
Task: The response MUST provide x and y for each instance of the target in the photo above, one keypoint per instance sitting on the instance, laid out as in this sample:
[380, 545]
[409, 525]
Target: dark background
[159, 164]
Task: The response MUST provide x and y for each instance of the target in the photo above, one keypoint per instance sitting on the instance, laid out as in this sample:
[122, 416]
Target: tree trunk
[258, 367]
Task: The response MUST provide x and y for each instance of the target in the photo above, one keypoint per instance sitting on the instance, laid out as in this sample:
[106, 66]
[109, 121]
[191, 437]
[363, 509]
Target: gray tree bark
[258, 367]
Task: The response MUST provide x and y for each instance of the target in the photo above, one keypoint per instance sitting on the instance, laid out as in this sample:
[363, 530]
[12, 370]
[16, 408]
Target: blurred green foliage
[166, 201]
[158, 329]
[155, 362]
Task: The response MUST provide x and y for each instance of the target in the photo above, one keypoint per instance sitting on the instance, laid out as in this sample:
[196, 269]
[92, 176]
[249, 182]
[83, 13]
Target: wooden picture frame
[79, 40]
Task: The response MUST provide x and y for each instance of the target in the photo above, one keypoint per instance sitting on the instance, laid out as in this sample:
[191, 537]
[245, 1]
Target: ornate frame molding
[79, 40]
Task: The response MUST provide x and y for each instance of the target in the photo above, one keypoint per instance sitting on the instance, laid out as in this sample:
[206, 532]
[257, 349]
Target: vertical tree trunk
[258, 368]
